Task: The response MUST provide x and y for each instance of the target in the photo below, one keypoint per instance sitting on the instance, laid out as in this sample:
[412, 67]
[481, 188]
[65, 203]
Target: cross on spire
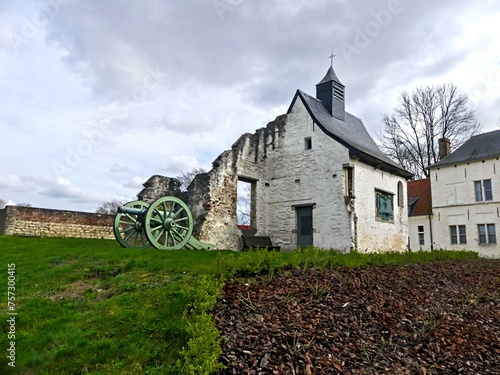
[331, 58]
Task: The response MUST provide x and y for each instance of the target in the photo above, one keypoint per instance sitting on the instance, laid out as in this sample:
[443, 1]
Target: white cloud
[165, 87]
[135, 183]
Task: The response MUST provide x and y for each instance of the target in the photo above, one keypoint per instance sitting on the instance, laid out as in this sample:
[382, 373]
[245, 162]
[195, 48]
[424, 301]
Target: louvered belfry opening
[332, 93]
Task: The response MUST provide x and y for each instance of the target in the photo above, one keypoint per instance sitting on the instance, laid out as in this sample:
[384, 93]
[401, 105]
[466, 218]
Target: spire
[330, 76]
[331, 92]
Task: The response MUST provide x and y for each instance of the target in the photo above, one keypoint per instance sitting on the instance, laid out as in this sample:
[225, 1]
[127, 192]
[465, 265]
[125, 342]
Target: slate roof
[419, 197]
[351, 133]
[330, 76]
[479, 147]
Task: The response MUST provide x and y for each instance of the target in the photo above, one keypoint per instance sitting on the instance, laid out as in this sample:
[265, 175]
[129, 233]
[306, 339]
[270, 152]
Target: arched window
[401, 198]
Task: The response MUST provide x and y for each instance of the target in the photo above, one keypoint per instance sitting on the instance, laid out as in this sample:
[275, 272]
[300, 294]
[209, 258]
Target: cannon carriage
[165, 224]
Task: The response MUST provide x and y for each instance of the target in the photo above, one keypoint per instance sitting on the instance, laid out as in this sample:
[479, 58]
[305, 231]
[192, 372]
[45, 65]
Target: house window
[421, 238]
[486, 233]
[483, 190]
[348, 180]
[384, 206]
[458, 234]
[308, 143]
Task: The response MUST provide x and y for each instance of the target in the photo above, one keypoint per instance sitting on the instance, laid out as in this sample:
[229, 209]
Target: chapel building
[316, 176]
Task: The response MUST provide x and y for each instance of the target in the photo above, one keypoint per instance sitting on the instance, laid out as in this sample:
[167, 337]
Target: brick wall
[31, 221]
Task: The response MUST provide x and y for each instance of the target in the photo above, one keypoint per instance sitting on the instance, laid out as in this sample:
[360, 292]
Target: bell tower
[331, 92]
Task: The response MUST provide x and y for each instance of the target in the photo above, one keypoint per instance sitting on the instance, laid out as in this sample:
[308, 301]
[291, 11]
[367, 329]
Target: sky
[98, 96]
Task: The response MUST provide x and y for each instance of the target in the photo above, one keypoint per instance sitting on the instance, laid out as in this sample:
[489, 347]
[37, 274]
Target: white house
[420, 215]
[317, 178]
[465, 189]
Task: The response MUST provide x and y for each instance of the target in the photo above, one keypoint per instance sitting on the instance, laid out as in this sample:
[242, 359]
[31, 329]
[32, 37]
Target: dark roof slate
[330, 76]
[351, 133]
[479, 147]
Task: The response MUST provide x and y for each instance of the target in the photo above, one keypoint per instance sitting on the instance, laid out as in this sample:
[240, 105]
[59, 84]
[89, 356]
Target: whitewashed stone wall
[298, 177]
[454, 203]
[374, 235]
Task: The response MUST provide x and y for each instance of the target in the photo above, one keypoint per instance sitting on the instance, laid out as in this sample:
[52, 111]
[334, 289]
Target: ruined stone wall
[3, 215]
[160, 186]
[30, 221]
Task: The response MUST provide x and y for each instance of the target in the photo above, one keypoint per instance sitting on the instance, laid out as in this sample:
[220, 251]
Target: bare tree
[3, 202]
[412, 131]
[186, 177]
[109, 207]
[243, 203]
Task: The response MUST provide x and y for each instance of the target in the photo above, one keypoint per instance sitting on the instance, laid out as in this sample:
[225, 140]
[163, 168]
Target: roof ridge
[487, 133]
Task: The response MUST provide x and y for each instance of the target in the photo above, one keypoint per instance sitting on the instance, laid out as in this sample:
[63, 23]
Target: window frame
[453, 235]
[462, 236]
[421, 235]
[487, 191]
[401, 200]
[307, 143]
[458, 234]
[483, 190]
[486, 234]
[478, 191]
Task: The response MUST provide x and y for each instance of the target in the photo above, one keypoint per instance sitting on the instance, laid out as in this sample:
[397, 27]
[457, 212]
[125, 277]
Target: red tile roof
[419, 197]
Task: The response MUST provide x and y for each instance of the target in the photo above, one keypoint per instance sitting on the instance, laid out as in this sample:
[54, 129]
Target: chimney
[444, 148]
[331, 92]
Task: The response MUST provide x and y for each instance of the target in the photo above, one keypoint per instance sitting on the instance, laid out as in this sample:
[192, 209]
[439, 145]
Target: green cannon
[166, 224]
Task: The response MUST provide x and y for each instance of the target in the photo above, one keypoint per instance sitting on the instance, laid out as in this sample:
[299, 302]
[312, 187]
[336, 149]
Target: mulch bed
[437, 318]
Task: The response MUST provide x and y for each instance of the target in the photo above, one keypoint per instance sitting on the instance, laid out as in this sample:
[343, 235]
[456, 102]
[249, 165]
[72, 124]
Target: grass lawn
[91, 306]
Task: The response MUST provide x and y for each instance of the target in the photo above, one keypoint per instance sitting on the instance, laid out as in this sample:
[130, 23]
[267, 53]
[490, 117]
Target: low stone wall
[41, 222]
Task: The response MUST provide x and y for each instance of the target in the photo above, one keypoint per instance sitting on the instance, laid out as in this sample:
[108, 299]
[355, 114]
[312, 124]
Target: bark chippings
[438, 318]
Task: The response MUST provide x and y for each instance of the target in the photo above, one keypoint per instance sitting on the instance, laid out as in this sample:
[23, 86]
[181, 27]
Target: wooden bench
[255, 242]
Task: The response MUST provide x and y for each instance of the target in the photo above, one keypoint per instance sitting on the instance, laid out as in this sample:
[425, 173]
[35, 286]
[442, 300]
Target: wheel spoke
[141, 234]
[133, 218]
[126, 222]
[182, 219]
[167, 209]
[178, 212]
[158, 236]
[180, 236]
[157, 227]
[158, 214]
[173, 237]
[127, 238]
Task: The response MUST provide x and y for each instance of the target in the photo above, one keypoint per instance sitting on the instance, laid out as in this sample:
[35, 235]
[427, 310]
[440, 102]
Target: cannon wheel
[129, 228]
[169, 223]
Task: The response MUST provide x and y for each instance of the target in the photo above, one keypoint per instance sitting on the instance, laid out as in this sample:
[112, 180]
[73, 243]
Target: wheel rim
[129, 229]
[169, 223]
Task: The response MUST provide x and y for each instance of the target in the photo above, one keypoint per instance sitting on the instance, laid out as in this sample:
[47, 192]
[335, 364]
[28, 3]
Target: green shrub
[200, 355]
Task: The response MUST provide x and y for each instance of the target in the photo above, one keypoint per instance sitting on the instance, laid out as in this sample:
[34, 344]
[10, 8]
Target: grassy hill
[92, 307]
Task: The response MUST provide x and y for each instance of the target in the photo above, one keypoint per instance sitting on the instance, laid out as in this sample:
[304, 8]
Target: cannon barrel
[131, 210]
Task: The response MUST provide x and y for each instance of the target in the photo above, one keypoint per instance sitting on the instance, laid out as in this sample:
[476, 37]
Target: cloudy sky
[97, 96]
